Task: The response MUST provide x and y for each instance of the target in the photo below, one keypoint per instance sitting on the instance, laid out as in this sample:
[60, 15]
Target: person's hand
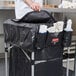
[35, 6]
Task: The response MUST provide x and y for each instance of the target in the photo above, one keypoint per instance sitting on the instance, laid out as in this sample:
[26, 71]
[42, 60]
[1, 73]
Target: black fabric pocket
[51, 68]
[67, 38]
[41, 40]
[54, 39]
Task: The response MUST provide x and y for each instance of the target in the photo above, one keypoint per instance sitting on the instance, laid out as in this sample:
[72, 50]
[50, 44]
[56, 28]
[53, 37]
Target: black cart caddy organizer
[33, 53]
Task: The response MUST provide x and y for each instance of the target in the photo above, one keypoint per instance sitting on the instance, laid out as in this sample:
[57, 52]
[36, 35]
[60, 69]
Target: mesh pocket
[54, 39]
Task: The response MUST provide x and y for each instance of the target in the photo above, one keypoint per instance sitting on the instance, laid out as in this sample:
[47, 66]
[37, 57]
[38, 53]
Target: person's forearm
[29, 2]
[33, 5]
